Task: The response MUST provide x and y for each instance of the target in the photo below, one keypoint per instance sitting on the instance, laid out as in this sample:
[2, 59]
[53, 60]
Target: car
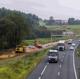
[71, 48]
[53, 56]
[79, 40]
[73, 44]
[31, 46]
[70, 41]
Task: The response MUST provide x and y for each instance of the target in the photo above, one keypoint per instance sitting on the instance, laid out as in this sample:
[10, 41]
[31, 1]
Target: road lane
[64, 69]
[37, 71]
[67, 71]
[51, 71]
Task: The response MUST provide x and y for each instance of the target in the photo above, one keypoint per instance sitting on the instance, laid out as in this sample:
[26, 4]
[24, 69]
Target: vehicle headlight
[49, 57]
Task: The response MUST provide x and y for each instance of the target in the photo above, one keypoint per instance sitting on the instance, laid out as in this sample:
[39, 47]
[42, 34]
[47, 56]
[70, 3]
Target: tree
[51, 20]
[13, 28]
[16, 26]
[6, 33]
[71, 20]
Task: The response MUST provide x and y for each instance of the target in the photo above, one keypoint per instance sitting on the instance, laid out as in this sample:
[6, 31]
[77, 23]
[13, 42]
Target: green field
[43, 40]
[78, 51]
[74, 28]
[55, 27]
[31, 42]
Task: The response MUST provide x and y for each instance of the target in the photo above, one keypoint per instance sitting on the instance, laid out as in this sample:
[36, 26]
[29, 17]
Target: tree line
[70, 21]
[73, 21]
[16, 26]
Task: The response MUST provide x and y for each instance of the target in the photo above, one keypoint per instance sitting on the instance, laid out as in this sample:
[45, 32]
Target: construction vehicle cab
[20, 49]
[37, 44]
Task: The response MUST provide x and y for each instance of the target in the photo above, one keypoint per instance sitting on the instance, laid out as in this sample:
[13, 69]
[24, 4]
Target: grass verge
[31, 42]
[24, 66]
[78, 51]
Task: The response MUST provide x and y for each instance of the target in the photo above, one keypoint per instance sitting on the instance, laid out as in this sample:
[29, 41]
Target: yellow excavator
[20, 49]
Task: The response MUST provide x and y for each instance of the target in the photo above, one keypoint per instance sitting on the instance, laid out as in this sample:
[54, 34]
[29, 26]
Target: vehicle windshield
[52, 53]
[61, 44]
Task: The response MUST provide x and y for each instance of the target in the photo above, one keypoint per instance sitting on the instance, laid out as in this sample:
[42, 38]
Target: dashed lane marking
[44, 69]
[63, 56]
[58, 73]
[39, 78]
[61, 60]
[64, 53]
[60, 65]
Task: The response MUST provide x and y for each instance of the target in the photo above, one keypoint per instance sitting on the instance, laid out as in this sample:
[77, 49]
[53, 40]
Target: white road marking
[39, 77]
[74, 65]
[64, 53]
[47, 63]
[58, 73]
[60, 65]
[63, 56]
[61, 60]
[44, 69]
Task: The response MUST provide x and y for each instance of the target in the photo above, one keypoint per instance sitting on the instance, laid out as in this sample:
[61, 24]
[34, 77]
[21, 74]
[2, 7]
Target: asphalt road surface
[64, 69]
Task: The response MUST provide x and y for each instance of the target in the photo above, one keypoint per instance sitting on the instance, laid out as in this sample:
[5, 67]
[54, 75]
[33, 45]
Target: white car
[70, 41]
[71, 48]
[79, 40]
[73, 44]
[31, 46]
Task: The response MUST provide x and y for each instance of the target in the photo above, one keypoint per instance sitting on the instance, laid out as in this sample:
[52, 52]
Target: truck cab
[53, 56]
[61, 45]
[70, 41]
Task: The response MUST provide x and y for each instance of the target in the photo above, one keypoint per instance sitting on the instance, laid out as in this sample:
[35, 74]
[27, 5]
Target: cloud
[74, 4]
[45, 8]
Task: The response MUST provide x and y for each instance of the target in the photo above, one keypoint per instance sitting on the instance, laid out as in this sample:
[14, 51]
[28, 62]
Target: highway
[64, 69]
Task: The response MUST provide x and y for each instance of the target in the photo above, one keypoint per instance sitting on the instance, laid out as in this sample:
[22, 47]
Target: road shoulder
[77, 65]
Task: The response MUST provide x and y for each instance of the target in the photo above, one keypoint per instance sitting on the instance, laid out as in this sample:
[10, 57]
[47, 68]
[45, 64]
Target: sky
[59, 9]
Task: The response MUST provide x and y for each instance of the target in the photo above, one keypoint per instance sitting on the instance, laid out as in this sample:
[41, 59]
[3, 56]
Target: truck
[70, 41]
[53, 56]
[61, 46]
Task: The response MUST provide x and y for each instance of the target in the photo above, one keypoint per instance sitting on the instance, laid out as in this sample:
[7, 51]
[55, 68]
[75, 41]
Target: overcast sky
[61, 9]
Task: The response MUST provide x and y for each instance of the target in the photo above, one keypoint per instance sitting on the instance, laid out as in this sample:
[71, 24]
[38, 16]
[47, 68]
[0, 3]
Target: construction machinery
[37, 43]
[20, 49]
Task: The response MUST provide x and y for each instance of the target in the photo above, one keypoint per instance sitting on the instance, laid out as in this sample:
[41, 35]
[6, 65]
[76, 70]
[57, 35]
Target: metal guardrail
[65, 35]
